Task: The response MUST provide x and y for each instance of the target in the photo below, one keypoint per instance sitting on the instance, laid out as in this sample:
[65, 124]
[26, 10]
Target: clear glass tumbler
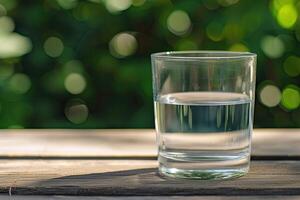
[204, 103]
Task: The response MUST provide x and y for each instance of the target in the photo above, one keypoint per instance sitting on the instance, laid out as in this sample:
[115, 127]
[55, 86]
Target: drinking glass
[204, 103]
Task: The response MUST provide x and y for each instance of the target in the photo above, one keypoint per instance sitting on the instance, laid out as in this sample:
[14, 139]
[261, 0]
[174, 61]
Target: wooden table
[121, 164]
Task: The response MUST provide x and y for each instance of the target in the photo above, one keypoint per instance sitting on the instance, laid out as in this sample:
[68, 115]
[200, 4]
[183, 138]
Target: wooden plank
[276, 142]
[77, 143]
[30, 197]
[138, 177]
[123, 143]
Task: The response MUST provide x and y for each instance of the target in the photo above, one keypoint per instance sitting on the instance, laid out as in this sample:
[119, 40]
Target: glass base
[219, 174]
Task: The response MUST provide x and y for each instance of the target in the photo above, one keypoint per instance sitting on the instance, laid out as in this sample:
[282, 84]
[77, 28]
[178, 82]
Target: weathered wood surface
[107, 163]
[124, 143]
[30, 197]
[138, 177]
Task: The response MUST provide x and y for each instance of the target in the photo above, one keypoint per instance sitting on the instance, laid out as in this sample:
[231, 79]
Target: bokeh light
[6, 24]
[227, 2]
[99, 50]
[122, 45]
[115, 6]
[53, 47]
[67, 4]
[20, 83]
[14, 45]
[179, 22]
[186, 44]
[75, 83]
[214, 31]
[290, 97]
[287, 16]
[291, 66]
[272, 46]
[277, 4]
[73, 66]
[239, 47]
[270, 95]
[233, 32]
[76, 111]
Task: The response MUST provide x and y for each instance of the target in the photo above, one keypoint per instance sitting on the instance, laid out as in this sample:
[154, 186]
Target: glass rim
[202, 55]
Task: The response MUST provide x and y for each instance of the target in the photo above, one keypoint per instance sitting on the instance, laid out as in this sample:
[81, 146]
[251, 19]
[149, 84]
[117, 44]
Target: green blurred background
[86, 64]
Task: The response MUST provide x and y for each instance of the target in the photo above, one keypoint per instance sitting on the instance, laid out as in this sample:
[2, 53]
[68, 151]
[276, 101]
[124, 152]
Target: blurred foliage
[86, 64]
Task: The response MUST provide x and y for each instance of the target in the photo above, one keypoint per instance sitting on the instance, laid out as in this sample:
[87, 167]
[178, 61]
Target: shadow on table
[124, 178]
[264, 179]
[115, 178]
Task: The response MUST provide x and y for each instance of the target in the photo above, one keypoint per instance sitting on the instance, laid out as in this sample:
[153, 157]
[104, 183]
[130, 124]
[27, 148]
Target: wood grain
[60, 197]
[123, 143]
[126, 166]
[138, 177]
